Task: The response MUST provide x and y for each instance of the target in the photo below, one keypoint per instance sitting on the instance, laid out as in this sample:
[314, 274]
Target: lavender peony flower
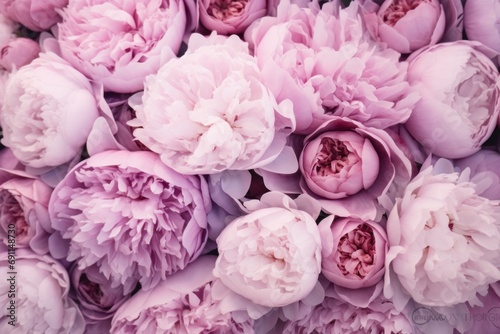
[327, 64]
[443, 238]
[271, 256]
[23, 208]
[181, 305]
[37, 15]
[208, 111]
[353, 170]
[119, 43]
[230, 16]
[97, 299]
[460, 103]
[41, 122]
[353, 251]
[394, 23]
[41, 288]
[134, 217]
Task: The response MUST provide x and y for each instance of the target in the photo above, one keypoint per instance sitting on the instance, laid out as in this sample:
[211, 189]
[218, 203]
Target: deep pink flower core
[398, 9]
[225, 9]
[357, 251]
[12, 213]
[332, 157]
[91, 289]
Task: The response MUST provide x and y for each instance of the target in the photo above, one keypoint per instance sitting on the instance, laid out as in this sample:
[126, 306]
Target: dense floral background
[249, 166]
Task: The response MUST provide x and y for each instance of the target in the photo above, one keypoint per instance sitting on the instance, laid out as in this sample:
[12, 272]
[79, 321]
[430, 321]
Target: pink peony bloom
[481, 22]
[17, 53]
[230, 16]
[460, 98]
[271, 256]
[353, 251]
[183, 304]
[353, 170]
[443, 238]
[23, 209]
[134, 217]
[97, 299]
[37, 15]
[338, 317]
[119, 43]
[208, 111]
[394, 23]
[42, 303]
[327, 64]
[41, 122]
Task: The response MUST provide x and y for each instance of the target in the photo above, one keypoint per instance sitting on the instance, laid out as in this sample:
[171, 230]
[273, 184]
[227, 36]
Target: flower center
[12, 213]
[91, 289]
[225, 9]
[332, 157]
[398, 9]
[356, 251]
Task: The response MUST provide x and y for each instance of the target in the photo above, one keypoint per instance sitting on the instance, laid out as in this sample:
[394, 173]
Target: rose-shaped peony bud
[230, 16]
[41, 122]
[24, 219]
[460, 91]
[271, 256]
[93, 292]
[18, 52]
[39, 290]
[119, 43]
[37, 15]
[353, 170]
[481, 19]
[183, 304]
[208, 111]
[327, 64]
[394, 23]
[443, 238]
[132, 216]
[353, 251]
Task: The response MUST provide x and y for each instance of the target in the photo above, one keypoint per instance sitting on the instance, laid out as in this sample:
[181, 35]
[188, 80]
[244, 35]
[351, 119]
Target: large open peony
[326, 63]
[443, 238]
[134, 217]
[209, 111]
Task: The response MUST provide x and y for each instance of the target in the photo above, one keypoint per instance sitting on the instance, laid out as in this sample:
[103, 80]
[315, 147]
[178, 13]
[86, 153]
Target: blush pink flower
[23, 208]
[394, 23]
[40, 120]
[230, 16]
[209, 111]
[18, 52]
[119, 43]
[37, 15]
[327, 64]
[460, 104]
[132, 216]
[353, 170]
[42, 302]
[353, 251]
[271, 256]
[183, 304]
[443, 238]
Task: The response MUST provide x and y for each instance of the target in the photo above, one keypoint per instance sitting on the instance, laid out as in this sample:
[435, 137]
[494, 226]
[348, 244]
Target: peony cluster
[249, 166]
